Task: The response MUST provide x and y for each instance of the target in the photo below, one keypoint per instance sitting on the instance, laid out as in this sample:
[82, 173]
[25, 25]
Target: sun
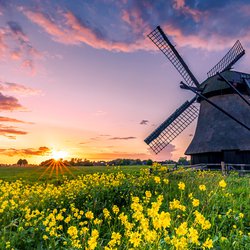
[59, 154]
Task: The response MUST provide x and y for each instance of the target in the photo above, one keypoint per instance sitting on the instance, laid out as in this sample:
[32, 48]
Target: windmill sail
[172, 126]
[232, 56]
[162, 42]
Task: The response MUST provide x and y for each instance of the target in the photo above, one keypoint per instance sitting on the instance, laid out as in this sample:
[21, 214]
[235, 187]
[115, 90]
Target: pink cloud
[73, 31]
[134, 19]
[195, 14]
[67, 28]
[9, 119]
[9, 103]
[15, 45]
[10, 132]
[41, 151]
[16, 55]
[213, 42]
[17, 87]
[46, 23]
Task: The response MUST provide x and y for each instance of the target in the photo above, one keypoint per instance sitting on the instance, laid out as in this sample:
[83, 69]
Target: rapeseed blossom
[195, 202]
[222, 184]
[181, 185]
[135, 239]
[116, 211]
[207, 244]
[157, 179]
[202, 187]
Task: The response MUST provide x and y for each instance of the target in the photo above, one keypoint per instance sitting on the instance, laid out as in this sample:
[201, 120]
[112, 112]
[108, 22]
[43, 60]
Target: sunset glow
[59, 154]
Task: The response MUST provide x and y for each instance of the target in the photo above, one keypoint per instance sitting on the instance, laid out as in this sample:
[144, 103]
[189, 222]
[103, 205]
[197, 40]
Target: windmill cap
[214, 85]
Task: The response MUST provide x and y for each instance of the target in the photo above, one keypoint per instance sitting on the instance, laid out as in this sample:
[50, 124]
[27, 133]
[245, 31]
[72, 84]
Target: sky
[81, 77]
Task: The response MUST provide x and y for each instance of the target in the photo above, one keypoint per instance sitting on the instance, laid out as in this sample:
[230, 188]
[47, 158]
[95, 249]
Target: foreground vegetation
[121, 210]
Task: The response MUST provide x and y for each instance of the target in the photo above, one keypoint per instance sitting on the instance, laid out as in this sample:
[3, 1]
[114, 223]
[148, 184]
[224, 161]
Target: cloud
[8, 119]
[84, 142]
[186, 10]
[72, 30]
[16, 45]
[17, 87]
[165, 154]
[17, 31]
[199, 24]
[144, 122]
[122, 138]
[27, 152]
[9, 103]
[115, 155]
[10, 132]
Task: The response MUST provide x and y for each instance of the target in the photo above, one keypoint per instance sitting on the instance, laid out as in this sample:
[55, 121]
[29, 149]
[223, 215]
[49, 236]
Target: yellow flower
[181, 185]
[148, 194]
[89, 215]
[196, 202]
[241, 215]
[106, 213]
[7, 244]
[166, 181]
[207, 244]
[223, 238]
[116, 236]
[202, 187]
[97, 221]
[157, 179]
[182, 229]
[45, 237]
[222, 184]
[193, 235]
[179, 243]
[59, 217]
[135, 239]
[115, 209]
[92, 242]
[67, 220]
[73, 232]
[175, 204]
[200, 219]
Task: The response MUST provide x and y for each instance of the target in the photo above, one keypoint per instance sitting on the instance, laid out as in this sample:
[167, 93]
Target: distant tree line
[116, 162]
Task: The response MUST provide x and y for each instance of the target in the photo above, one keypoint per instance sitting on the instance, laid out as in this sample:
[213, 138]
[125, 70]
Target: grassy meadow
[122, 208]
[39, 174]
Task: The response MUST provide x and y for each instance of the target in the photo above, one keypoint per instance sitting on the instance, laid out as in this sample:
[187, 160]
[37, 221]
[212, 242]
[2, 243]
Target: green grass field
[39, 174]
[122, 208]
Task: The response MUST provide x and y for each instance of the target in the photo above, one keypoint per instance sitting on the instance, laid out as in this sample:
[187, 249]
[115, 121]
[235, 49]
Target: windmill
[223, 127]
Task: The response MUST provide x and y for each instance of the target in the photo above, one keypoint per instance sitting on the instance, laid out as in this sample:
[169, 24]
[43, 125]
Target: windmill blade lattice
[173, 126]
[162, 42]
[232, 56]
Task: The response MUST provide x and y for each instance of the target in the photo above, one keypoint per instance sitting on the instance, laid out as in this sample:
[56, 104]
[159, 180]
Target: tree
[183, 161]
[149, 162]
[22, 162]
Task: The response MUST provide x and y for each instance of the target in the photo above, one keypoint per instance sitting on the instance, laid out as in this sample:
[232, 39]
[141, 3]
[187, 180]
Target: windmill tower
[223, 127]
